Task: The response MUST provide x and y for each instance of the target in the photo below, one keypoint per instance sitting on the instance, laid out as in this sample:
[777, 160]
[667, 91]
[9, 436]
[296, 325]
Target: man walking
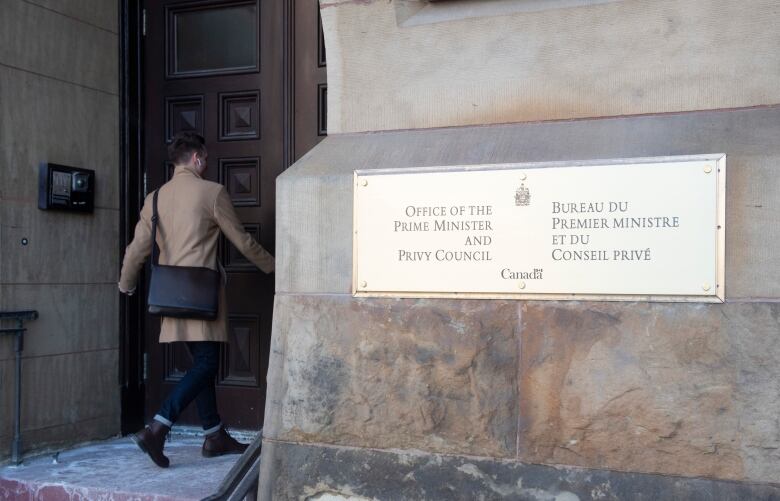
[191, 213]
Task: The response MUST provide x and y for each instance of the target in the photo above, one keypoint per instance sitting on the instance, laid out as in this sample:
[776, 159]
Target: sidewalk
[116, 470]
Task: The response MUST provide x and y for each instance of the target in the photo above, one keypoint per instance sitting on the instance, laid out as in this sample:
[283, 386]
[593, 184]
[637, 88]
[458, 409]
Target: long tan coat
[192, 211]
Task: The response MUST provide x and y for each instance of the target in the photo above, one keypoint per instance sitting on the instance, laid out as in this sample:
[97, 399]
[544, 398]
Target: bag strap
[154, 228]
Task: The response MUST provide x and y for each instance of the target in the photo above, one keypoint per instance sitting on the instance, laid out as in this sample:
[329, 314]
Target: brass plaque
[628, 229]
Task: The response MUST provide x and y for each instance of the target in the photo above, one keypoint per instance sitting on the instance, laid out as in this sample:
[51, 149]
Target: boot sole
[142, 446]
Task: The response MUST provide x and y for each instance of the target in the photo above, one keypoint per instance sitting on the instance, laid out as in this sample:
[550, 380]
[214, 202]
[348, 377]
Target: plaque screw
[521, 284]
[707, 169]
[706, 287]
[523, 176]
[364, 182]
[363, 284]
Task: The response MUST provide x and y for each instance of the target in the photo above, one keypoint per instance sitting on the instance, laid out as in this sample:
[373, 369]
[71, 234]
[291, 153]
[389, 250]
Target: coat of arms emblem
[522, 196]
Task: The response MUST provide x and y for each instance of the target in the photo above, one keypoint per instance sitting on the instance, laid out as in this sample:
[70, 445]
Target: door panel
[208, 38]
[216, 68]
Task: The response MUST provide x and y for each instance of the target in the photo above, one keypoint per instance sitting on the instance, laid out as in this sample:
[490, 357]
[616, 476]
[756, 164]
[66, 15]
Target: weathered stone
[435, 375]
[589, 60]
[684, 389]
[752, 330]
[681, 389]
[314, 225]
[315, 472]
[315, 210]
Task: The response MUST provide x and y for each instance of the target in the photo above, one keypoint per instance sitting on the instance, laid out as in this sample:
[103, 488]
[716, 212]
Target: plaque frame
[718, 295]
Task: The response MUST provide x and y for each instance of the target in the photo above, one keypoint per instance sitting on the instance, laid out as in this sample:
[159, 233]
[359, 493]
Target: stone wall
[405, 64]
[59, 103]
[660, 388]
[478, 399]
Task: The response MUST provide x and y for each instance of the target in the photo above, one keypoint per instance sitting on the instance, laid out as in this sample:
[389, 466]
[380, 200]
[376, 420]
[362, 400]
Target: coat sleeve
[138, 250]
[231, 226]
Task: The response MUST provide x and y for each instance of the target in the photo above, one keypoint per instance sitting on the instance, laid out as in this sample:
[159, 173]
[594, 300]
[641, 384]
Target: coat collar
[186, 169]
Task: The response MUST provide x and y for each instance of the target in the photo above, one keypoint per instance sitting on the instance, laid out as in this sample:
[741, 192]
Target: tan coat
[191, 212]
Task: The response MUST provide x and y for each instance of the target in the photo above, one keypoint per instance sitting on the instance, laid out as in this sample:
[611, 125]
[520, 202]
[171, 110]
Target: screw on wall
[25, 241]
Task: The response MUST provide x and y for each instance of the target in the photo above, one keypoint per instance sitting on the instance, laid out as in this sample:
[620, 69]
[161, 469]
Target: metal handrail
[243, 477]
[20, 317]
[24, 315]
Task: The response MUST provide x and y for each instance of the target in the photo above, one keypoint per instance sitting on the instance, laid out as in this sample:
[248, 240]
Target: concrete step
[116, 470]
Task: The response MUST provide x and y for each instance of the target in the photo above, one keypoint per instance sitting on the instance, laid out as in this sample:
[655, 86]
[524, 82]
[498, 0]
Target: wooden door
[218, 68]
[310, 96]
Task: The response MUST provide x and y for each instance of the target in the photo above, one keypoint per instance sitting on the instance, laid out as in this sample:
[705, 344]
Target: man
[191, 213]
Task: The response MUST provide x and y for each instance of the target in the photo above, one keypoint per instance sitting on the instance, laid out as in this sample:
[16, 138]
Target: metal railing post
[16, 451]
[18, 331]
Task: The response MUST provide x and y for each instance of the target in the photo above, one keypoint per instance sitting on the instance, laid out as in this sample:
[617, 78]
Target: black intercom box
[66, 188]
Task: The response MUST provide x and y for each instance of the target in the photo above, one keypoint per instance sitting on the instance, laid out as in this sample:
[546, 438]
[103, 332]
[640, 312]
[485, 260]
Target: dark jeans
[198, 384]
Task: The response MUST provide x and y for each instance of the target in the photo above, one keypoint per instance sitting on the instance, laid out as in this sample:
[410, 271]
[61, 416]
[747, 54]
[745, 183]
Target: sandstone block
[416, 374]
[665, 388]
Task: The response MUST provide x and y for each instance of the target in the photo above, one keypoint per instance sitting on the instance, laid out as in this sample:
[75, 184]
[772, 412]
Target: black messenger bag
[181, 291]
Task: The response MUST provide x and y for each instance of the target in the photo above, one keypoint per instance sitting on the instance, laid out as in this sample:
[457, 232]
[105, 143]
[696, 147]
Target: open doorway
[250, 76]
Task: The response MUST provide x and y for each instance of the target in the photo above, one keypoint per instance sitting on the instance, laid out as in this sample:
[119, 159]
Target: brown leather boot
[220, 443]
[151, 440]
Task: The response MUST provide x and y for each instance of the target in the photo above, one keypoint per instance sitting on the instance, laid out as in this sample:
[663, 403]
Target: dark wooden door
[310, 96]
[218, 68]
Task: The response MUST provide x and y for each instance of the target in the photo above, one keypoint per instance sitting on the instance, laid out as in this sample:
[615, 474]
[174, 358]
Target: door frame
[131, 370]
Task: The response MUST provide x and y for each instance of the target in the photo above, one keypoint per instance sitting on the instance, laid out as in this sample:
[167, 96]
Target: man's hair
[184, 144]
